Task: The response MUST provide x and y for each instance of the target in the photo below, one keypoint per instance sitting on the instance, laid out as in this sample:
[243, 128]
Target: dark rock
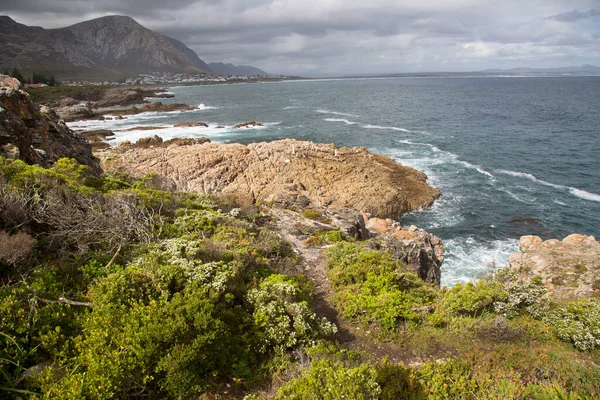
[247, 124]
[38, 134]
[191, 124]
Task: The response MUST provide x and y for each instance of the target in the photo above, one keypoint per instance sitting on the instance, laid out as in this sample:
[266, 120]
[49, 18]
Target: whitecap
[341, 120]
[530, 177]
[202, 106]
[390, 128]
[322, 111]
[467, 258]
[477, 168]
[582, 194]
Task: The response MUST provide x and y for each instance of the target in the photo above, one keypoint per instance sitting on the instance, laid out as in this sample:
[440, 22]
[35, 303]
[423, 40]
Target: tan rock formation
[422, 252]
[254, 174]
[569, 268]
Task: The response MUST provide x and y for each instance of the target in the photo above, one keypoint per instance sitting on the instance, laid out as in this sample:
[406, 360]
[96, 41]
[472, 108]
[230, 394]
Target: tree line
[35, 78]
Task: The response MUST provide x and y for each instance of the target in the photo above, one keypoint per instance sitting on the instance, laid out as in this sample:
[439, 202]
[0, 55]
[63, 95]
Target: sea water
[512, 156]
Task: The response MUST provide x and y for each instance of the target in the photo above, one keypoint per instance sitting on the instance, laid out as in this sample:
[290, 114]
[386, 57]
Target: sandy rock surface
[256, 173]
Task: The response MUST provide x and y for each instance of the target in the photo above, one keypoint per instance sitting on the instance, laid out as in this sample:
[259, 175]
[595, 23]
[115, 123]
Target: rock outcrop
[35, 134]
[421, 251]
[256, 173]
[570, 268]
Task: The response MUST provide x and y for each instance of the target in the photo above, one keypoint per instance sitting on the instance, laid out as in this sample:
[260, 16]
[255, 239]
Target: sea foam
[582, 194]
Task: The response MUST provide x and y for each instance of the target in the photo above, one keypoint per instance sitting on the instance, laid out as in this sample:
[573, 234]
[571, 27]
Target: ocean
[512, 156]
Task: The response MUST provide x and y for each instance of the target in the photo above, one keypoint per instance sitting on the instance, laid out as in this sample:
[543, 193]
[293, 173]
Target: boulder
[149, 142]
[185, 141]
[247, 124]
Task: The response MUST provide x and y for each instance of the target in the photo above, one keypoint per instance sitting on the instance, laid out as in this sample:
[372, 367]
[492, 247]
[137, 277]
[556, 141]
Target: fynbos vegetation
[115, 288]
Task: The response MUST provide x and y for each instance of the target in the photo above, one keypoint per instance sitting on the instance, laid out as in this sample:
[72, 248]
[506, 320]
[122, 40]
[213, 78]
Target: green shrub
[283, 318]
[372, 286]
[577, 322]
[311, 214]
[328, 380]
[472, 298]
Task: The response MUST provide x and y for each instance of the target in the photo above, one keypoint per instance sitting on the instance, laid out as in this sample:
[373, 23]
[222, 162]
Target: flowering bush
[282, 316]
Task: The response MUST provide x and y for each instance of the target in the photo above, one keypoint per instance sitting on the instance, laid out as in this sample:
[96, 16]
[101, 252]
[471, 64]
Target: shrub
[282, 315]
[328, 380]
[372, 286]
[577, 322]
[15, 248]
[311, 214]
[472, 299]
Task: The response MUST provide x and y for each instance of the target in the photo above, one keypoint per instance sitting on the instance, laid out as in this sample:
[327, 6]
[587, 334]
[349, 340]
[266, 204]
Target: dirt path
[293, 227]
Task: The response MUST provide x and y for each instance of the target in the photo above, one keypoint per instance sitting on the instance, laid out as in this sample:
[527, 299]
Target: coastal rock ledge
[256, 173]
[570, 268]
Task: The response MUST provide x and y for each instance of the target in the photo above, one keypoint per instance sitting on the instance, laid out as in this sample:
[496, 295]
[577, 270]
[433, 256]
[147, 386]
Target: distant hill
[190, 54]
[111, 47]
[584, 69]
[230, 69]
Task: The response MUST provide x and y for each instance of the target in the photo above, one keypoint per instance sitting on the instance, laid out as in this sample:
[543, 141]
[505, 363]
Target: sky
[345, 37]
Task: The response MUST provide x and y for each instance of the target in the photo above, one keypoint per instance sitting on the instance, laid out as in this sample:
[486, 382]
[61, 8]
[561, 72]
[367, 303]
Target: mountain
[190, 54]
[230, 69]
[111, 47]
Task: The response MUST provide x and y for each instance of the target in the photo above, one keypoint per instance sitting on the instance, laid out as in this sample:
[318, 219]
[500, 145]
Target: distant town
[162, 78]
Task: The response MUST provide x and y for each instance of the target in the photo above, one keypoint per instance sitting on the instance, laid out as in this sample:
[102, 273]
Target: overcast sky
[337, 37]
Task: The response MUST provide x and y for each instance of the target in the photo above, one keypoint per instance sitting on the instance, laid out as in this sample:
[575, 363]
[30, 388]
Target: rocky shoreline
[353, 190]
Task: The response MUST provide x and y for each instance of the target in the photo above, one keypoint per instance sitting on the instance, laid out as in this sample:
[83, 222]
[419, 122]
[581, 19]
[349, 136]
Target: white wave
[202, 106]
[476, 168]
[530, 177]
[293, 107]
[321, 111]
[560, 203]
[453, 157]
[582, 194]
[387, 128]
[341, 120]
[215, 134]
[468, 258]
[514, 196]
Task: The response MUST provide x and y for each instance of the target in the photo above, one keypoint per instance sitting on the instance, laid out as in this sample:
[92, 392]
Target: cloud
[338, 37]
[575, 15]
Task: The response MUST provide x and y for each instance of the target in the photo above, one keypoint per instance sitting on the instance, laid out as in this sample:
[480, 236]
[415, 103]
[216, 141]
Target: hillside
[110, 47]
[230, 69]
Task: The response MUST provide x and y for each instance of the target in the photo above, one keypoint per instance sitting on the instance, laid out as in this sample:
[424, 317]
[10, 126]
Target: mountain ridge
[230, 69]
[109, 47]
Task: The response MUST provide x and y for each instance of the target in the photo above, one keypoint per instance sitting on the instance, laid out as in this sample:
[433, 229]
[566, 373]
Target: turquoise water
[512, 156]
